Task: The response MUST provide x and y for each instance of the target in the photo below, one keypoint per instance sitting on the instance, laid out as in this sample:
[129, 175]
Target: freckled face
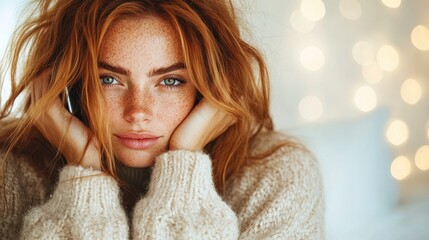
[146, 87]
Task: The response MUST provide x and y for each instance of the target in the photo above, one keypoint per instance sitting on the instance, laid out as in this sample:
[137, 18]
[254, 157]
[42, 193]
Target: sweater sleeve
[85, 205]
[279, 197]
[182, 202]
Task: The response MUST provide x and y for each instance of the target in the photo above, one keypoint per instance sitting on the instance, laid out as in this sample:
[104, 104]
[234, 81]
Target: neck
[135, 182]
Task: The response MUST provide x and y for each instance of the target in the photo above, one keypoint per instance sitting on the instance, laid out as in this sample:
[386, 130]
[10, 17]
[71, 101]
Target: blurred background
[350, 79]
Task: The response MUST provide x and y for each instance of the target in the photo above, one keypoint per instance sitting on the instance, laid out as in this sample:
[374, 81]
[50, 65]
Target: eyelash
[178, 81]
[108, 84]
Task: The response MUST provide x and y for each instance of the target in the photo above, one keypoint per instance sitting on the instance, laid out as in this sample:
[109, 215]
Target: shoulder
[281, 159]
[21, 188]
[34, 163]
[14, 164]
[19, 177]
[282, 191]
[17, 163]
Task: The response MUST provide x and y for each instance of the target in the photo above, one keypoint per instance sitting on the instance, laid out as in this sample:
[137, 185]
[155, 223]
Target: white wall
[9, 12]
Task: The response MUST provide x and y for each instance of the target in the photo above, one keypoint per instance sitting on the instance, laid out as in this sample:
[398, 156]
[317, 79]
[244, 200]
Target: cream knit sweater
[279, 197]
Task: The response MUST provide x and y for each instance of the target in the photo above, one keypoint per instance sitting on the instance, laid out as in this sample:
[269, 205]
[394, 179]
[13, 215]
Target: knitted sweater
[278, 197]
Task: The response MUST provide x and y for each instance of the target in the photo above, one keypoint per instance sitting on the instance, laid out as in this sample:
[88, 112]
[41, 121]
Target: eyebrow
[153, 72]
[164, 70]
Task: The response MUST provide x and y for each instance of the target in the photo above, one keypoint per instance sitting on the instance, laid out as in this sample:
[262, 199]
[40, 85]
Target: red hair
[65, 37]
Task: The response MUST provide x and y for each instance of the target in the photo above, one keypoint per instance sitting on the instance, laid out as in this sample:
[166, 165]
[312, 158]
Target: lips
[138, 141]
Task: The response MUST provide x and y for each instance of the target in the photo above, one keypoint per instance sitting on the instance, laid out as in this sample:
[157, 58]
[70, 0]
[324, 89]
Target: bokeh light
[411, 91]
[365, 99]
[397, 132]
[312, 58]
[371, 72]
[400, 168]
[422, 158]
[387, 58]
[350, 9]
[299, 23]
[392, 3]
[310, 108]
[363, 52]
[313, 10]
[420, 38]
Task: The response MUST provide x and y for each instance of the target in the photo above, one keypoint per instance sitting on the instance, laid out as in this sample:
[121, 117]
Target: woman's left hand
[203, 124]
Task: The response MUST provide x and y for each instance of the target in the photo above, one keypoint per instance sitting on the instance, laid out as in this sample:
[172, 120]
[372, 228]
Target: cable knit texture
[85, 205]
[188, 206]
[278, 197]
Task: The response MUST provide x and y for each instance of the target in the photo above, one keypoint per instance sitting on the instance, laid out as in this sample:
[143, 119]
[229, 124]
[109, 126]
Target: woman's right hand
[63, 130]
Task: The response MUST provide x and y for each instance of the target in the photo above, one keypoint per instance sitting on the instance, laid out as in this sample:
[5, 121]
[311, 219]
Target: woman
[170, 136]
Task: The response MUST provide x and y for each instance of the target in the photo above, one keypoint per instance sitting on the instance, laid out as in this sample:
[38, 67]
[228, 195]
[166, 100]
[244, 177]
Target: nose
[138, 105]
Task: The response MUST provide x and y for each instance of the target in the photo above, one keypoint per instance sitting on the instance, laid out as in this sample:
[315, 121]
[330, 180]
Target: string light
[350, 9]
[310, 108]
[363, 52]
[365, 99]
[422, 158]
[371, 72]
[392, 3]
[312, 58]
[397, 132]
[299, 23]
[400, 168]
[387, 58]
[313, 10]
[420, 38]
[411, 91]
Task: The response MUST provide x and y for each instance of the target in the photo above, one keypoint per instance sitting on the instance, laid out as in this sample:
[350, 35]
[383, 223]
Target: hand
[203, 124]
[63, 130]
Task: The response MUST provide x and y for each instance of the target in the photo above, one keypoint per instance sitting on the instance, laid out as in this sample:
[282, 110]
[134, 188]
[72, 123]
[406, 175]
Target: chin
[138, 164]
[137, 160]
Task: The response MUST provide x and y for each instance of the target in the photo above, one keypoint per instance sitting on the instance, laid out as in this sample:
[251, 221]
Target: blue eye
[171, 82]
[108, 80]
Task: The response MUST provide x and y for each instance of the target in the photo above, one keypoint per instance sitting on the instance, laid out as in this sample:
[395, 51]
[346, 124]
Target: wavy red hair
[64, 37]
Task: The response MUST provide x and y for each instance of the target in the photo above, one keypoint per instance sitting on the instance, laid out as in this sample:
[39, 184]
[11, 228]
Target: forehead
[150, 24]
[139, 35]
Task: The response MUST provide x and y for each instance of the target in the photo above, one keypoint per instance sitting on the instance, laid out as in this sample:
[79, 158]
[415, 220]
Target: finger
[217, 114]
[41, 85]
[32, 94]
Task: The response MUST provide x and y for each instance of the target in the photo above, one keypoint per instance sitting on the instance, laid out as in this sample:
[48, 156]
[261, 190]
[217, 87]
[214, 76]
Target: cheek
[113, 105]
[172, 111]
